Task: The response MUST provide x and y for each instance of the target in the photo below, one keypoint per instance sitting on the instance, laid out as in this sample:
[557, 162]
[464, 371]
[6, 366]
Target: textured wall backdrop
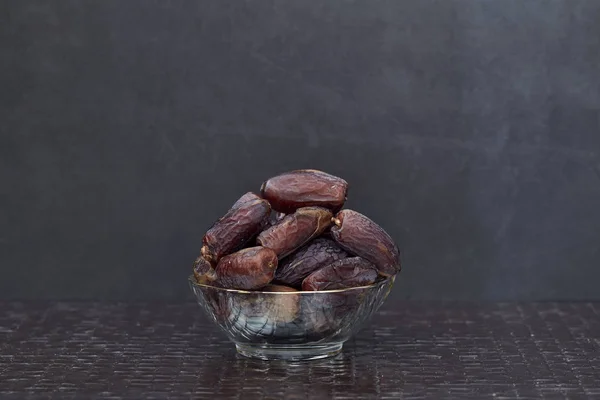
[469, 129]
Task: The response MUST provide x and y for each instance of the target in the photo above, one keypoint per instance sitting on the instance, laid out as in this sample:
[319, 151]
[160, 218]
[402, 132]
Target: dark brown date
[316, 254]
[278, 288]
[247, 269]
[244, 199]
[294, 230]
[342, 274]
[236, 228]
[303, 188]
[324, 312]
[281, 308]
[203, 271]
[359, 235]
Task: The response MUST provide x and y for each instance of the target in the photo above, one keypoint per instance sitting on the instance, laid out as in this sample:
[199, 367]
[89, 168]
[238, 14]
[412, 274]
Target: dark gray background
[469, 129]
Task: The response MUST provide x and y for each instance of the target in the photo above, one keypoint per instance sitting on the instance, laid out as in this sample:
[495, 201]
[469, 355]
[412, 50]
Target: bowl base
[291, 353]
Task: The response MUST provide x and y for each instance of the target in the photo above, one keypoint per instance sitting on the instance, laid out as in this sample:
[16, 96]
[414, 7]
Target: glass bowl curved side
[290, 325]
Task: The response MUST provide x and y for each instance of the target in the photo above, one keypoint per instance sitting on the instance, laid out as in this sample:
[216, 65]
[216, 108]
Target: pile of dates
[295, 236]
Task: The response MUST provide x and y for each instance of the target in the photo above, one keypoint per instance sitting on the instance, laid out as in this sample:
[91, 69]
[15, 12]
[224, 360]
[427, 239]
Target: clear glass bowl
[290, 325]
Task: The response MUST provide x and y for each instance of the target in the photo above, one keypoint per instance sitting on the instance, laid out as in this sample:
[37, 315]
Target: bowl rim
[390, 279]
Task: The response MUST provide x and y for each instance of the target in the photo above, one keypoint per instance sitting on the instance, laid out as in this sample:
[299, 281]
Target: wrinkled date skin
[250, 196]
[342, 274]
[294, 230]
[316, 254]
[303, 188]
[236, 228]
[247, 269]
[359, 235]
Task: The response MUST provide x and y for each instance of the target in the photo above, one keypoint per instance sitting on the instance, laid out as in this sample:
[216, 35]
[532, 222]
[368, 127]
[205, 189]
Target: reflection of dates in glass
[294, 230]
[281, 308]
[327, 312]
[303, 188]
[217, 300]
[267, 315]
[236, 228]
[361, 236]
[316, 254]
[342, 274]
[247, 269]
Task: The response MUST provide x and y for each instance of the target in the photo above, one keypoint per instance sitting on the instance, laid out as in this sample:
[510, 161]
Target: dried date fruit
[342, 274]
[247, 269]
[294, 230]
[316, 254]
[245, 198]
[359, 235]
[236, 228]
[303, 188]
[271, 287]
[283, 308]
[250, 196]
[203, 271]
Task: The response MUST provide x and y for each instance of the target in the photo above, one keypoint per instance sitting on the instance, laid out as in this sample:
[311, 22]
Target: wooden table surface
[411, 351]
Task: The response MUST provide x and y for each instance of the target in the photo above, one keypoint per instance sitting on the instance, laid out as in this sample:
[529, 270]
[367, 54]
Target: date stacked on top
[295, 235]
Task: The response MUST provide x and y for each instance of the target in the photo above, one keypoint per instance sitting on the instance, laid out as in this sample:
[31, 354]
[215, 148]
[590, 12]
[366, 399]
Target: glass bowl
[290, 325]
